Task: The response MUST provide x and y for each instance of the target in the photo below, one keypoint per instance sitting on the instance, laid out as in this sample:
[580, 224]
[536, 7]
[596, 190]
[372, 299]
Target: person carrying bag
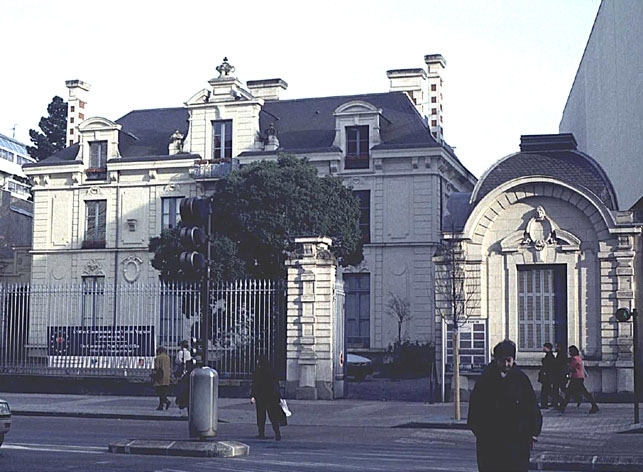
[266, 396]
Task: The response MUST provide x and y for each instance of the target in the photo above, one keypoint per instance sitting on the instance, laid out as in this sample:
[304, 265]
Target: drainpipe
[117, 219]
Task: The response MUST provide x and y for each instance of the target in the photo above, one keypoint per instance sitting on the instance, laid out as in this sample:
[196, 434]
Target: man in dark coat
[266, 396]
[546, 377]
[504, 414]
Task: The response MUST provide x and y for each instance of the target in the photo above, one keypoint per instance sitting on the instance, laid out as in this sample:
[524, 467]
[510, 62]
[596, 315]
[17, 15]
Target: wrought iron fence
[98, 329]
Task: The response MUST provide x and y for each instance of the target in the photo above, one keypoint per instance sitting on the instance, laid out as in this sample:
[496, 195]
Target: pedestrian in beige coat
[161, 379]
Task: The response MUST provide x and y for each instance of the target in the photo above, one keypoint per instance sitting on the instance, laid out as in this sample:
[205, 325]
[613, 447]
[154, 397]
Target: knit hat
[504, 349]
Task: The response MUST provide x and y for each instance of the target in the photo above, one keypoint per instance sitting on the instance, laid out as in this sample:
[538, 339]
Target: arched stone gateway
[554, 256]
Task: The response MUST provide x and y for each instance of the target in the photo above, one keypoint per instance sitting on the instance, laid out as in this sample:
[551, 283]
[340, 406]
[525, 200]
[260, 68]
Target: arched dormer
[98, 144]
[357, 130]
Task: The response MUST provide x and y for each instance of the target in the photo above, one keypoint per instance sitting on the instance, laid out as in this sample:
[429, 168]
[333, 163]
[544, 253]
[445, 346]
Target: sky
[509, 63]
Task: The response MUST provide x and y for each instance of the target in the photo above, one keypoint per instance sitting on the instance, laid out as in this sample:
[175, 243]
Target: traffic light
[623, 314]
[193, 234]
[195, 348]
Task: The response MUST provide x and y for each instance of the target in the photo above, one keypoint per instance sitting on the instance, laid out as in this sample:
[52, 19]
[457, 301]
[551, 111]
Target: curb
[434, 425]
[586, 462]
[180, 448]
[124, 416]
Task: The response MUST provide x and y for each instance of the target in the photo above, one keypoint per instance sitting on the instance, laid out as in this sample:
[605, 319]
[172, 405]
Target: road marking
[55, 448]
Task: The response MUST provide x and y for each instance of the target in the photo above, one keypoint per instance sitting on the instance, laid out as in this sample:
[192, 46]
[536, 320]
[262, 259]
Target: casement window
[170, 214]
[364, 197]
[222, 139]
[95, 224]
[357, 288]
[98, 154]
[542, 311]
[357, 147]
[93, 307]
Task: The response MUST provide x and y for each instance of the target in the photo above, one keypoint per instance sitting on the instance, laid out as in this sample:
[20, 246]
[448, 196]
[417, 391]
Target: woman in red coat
[576, 388]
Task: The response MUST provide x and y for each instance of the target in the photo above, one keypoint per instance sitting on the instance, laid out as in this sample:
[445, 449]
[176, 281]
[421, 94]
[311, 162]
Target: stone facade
[137, 162]
[314, 324]
[556, 259]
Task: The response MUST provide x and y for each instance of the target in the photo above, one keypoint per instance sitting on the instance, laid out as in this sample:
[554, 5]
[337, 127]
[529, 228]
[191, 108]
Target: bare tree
[456, 298]
[399, 309]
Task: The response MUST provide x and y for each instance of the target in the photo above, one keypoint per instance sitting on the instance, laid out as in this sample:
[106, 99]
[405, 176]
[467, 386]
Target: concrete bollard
[204, 398]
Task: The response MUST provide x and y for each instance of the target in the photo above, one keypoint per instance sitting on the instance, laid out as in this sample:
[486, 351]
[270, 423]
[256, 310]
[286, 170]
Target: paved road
[80, 444]
[574, 440]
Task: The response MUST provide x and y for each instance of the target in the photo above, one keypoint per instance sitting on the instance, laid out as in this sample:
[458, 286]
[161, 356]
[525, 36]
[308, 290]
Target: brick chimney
[75, 108]
[435, 68]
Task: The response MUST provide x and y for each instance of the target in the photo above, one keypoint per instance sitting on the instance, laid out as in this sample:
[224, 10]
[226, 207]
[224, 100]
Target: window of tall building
[221, 139]
[358, 309]
[542, 309]
[364, 197]
[357, 147]
[170, 214]
[95, 223]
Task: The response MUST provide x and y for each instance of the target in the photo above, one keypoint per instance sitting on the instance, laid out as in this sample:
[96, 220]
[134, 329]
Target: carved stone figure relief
[93, 268]
[540, 231]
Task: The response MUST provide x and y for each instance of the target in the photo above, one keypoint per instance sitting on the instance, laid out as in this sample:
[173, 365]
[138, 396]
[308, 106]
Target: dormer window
[97, 169]
[357, 147]
[358, 132]
[98, 154]
[222, 139]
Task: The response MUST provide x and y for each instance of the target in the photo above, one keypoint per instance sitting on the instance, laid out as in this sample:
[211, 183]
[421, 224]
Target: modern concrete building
[15, 212]
[604, 109]
[98, 202]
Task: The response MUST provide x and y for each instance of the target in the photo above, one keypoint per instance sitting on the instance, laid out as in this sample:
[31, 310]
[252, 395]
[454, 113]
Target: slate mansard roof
[309, 124]
[548, 156]
[302, 125]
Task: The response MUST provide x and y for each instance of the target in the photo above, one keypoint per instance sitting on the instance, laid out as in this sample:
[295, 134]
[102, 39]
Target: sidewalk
[575, 440]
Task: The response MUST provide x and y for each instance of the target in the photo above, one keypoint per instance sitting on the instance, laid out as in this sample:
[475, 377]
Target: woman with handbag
[266, 397]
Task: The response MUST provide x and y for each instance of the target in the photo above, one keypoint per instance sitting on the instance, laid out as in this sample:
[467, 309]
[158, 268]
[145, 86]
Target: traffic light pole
[205, 294]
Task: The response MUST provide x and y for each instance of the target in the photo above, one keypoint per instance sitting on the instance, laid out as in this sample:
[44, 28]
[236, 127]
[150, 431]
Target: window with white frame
[357, 147]
[221, 139]
[170, 212]
[95, 223]
[542, 312]
[93, 308]
[358, 309]
[364, 197]
[97, 154]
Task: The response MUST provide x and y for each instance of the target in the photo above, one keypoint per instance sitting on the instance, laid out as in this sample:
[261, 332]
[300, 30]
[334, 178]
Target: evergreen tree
[259, 210]
[53, 131]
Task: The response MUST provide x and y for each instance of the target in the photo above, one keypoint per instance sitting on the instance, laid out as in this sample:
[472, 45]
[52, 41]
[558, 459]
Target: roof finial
[225, 69]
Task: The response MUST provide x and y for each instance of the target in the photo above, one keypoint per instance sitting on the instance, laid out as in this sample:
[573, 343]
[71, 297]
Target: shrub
[410, 358]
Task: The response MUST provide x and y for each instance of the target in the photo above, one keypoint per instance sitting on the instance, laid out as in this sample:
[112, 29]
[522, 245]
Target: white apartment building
[98, 202]
[15, 211]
